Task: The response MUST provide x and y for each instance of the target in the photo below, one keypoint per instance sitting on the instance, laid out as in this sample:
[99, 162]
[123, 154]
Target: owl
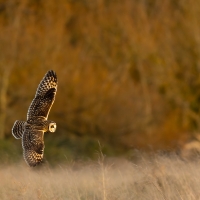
[32, 131]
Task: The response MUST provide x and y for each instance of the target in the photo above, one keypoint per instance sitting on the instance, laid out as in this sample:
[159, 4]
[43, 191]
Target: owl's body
[32, 131]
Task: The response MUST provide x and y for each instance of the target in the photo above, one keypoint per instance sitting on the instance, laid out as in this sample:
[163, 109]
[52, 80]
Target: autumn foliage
[128, 71]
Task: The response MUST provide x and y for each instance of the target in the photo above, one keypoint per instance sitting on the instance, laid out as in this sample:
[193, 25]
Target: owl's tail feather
[18, 129]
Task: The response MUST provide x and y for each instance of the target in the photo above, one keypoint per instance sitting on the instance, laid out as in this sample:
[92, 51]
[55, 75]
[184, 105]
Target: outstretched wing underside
[33, 147]
[44, 97]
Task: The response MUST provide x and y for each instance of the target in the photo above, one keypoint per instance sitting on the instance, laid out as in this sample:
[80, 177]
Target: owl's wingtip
[51, 73]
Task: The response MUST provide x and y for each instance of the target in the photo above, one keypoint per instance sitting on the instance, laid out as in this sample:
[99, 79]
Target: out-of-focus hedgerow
[128, 70]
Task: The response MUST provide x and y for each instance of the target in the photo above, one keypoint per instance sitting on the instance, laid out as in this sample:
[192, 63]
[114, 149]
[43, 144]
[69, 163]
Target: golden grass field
[158, 177]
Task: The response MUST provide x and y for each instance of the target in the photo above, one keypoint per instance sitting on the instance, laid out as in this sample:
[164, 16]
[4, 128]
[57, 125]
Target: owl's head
[52, 127]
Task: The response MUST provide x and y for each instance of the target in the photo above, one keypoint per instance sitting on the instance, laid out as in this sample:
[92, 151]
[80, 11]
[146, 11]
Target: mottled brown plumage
[32, 131]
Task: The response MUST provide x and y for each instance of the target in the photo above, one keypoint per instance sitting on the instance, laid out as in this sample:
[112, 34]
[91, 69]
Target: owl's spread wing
[33, 147]
[44, 97]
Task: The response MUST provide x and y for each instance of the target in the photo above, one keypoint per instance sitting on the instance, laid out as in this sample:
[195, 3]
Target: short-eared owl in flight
[32, 131]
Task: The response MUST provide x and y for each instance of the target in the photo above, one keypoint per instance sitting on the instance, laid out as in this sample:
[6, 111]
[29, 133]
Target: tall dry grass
[157, 178]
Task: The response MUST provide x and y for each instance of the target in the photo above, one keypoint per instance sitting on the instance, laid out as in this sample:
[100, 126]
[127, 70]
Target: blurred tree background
[128, 71]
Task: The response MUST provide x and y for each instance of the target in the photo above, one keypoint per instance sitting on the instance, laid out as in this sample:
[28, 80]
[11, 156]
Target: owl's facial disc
[52, 127]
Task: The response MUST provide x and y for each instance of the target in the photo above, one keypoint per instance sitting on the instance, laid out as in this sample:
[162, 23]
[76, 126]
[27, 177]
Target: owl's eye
[52, 127]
